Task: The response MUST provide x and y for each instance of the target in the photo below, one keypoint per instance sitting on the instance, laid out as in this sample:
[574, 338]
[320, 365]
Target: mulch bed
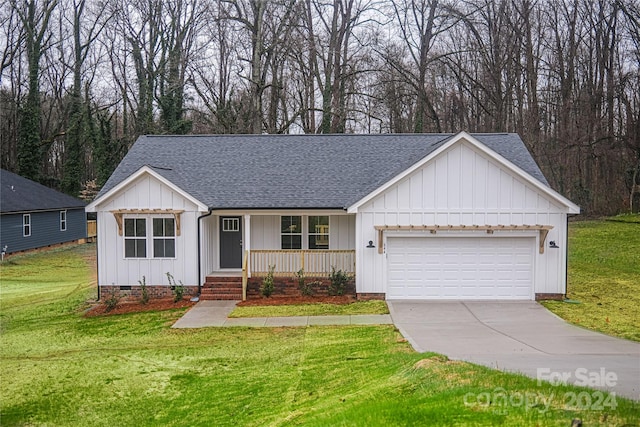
[125, 307]
[136, 307]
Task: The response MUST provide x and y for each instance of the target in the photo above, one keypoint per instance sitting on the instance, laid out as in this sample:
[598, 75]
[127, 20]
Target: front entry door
[230, 242]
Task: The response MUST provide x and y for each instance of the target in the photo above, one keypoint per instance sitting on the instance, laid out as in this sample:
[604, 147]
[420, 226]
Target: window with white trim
[164, 238]
[26, 225]
[135, 238]
[318, 232]
[291, 232]
[63, 220]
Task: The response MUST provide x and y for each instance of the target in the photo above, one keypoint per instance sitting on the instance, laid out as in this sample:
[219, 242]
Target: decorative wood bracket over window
[120, 212]
[433, 229]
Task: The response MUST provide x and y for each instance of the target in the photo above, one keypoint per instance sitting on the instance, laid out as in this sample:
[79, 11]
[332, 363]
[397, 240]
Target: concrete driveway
[521, 337]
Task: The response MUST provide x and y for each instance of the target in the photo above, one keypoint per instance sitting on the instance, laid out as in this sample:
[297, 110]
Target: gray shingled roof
[293, 171]
[19, 194]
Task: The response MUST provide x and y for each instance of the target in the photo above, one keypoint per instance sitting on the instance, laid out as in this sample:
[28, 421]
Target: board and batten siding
[265, 231]
[45, 229]
[146, 192]
[462, 186]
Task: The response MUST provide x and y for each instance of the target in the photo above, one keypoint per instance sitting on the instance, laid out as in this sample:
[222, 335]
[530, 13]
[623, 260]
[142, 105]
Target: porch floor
[226, 273]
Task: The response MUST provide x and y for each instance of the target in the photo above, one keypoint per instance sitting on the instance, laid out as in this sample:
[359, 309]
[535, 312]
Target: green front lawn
[604, 276]
[311, 309]
[59, 368]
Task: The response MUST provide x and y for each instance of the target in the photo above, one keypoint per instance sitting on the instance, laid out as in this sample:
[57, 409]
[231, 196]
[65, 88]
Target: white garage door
[460, 267]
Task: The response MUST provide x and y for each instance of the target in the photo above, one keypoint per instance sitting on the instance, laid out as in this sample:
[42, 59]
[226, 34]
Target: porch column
[247, 239]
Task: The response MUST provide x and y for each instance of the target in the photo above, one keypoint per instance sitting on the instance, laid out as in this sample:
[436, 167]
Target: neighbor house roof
[18, 194]
[293, 171]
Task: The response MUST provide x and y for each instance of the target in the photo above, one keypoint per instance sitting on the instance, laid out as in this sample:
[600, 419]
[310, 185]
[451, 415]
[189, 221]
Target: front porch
[314, 264]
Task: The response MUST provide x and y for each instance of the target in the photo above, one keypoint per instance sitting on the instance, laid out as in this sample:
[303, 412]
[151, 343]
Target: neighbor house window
[26, 225]
[291, 232]
[135, 238]
[164, 238]
[318, 232]
[63, 220]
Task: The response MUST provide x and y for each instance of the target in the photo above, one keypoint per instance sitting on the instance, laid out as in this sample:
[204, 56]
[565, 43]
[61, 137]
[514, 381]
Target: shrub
[312, 286]
[306, 289]
[339, 280]
[267, 283]
[144, 292]
[176, 288]
[112, 300]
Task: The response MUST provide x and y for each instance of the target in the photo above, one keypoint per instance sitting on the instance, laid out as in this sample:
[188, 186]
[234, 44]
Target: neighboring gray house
[413, 216]
[34, 216]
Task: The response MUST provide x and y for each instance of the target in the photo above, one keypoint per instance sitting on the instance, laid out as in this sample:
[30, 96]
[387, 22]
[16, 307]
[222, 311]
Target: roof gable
[463, 138]
[292, 171]
[145, 170]
[19, 194]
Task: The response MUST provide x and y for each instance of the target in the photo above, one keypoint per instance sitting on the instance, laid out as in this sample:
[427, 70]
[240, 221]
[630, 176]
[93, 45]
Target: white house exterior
[436, 217]
[501, 219]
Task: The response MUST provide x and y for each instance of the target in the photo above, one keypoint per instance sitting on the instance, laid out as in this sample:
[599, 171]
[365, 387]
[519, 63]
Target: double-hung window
[26, 225]
[291, 232]
[63, 220]
[135, 238]
[318, 232]
[164, 238]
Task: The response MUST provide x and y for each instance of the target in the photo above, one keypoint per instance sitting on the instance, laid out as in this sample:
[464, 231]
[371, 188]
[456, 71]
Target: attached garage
[452, 267]
[475, 219]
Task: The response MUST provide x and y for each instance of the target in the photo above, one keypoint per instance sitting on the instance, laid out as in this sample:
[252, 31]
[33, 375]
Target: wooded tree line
[82, 79]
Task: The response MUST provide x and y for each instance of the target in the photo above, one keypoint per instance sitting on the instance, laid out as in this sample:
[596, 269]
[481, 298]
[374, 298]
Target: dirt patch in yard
[298, 300]
[137, 307]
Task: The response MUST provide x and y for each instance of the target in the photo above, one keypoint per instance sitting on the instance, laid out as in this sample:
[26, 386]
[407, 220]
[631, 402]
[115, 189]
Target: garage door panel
[460, 267]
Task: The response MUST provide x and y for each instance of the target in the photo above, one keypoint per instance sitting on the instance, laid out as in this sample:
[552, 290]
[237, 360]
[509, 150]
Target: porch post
[247, 240]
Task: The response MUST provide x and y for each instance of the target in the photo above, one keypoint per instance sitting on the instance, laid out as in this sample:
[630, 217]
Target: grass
[60, 368]
[312, 309]
[604, 276]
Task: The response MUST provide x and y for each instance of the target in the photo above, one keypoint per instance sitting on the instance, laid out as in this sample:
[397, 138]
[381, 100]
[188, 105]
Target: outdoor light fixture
[370, 245]
[552, 244]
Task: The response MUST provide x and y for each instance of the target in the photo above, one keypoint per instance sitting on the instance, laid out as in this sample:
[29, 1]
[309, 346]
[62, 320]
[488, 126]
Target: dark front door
[230, 242]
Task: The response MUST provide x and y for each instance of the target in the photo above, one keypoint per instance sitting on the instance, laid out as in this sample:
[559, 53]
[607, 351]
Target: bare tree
[34, 17]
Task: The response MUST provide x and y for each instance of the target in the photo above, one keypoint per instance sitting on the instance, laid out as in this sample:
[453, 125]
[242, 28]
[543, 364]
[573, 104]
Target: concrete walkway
[215, 313]
[520, 337]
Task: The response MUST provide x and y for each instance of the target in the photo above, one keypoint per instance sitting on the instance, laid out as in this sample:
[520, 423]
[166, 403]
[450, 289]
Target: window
[63, 220]
[135, 238]
[164, 241]
[230, 224]
[291, 232]
[26, 225]
[318, 232]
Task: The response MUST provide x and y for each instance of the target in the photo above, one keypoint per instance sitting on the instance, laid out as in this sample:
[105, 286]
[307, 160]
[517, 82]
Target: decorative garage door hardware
[433, 229]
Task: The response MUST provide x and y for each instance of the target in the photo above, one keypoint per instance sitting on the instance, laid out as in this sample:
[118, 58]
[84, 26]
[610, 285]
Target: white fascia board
[464, 136]
[93, 206]
[279, 212]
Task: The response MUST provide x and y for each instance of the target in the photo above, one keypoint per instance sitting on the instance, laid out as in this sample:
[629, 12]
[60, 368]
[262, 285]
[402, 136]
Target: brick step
[221, 291]
[222, 279]
[220, 297]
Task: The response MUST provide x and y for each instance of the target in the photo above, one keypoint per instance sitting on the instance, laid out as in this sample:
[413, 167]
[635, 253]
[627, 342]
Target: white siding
[146, 193]
[265, 231]
[462, 186]
[209, 241]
